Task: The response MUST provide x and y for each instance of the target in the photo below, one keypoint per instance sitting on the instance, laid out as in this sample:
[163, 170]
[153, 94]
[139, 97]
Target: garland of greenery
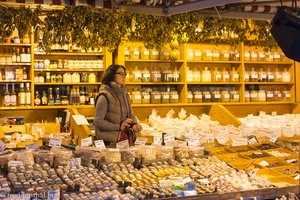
[90, 27]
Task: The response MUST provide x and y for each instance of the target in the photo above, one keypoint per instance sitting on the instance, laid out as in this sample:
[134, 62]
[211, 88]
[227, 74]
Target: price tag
[157, 140]
[55, 142]
[222, 139]
[274, 113]
[99, 144]
[141, 141]
[122, 145]
[252, 140]
[257, 153]
[273, 138]
[33, 146]
[297, 177]
[169, 137]
[74, 162]
[2, 146]
[262, 113]
[264, 163]
[14, 163]
[239, 141]
[86, 142]
[193, 143]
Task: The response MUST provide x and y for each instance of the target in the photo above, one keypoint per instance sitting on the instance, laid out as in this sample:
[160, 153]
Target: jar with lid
[165, 97]
[234, 96]
[145, 97]
[286, 76]
[253, 75]
[136, 75]
[224, 55]
[75, 77]
[216, 96]
[145, 53]
[253, 56]
[175, 75]
[234, 55]
[190, 97]
[84, 77]
[65, 64]
[135, 53]
[270, 75]
[190, 54]
[206, 75]
[146, 75]
[155, 75]
[286, 95]
[197, 54]
[269, 57]
[262, 95]
[59, 64]
[207, 56]
[253, 95]
[216, 75]
[155, 97]
[174, 97]
[48, 77]
[270, 95]
[164, 54]
[277, 95]
[246, 75]
[154, 54]
[234, 75]
[206, 96]
[126, 53]
[197, 97]
[225, 75]
[277, 57]
[136, 96]
[262, 76]
[92, 78]
[196, 75]
[59, 78]
[247, 56]
[261, 56]
[216, 55]
[64, 100]
[53, 78]
[67, 78]
[277, 75]
[225, 96]
[247, 96]
[167, 75]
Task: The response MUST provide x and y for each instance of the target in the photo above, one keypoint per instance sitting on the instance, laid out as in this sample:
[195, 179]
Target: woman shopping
[114, 118]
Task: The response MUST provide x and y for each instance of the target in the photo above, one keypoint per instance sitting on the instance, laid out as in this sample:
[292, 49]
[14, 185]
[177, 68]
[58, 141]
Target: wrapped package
[61, 156]
[43, 156]
[25, 156]
[6, 156]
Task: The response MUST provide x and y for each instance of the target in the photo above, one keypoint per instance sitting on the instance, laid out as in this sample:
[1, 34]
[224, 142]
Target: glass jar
[261, 56]
[286, 76]
[145, 54]
[145, 97]
[196, 75]
[262, 76]
[154, 54]
[270, 75]
[175, 75]
[92, 78]
[67, 78]
[155, 97]
[164, 54]
[253, 56]
[262, 95]
[216, 75]
[59, 78]
[167, 75]
[135, 53]
[64, 100]
[53, 78]
[225, 75]
[190, 97]
[286, 95]
[207, 56]
[197, 97]
[206, 96]
[253, 96]
[136, 96]
[253, 75]
[146, 75]
[225, 96]
[75, 77]
[270, 95]
[234, 75]
[190, 54]
[174, 97]
[84, 78]
[155, 75]
[276, 57]
[277, 75]
[48, 77]
[197, 54]
[216, 55]
[277, 95]
[234, 96]
[206, 75]
[246, 75]
[165, 97]
[224, 55]
[216, 96]
[126, 53]
[136, 75]
[247, 56]
[247, 96]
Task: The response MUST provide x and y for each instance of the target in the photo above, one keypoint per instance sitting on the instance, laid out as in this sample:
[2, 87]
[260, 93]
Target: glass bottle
[234, 96]
[246, 75]
[206, 75]
[87, 96]
[247, 56]
[225, 96]
[216, 96]
[190, 97]
[165, 96]
[57, 99]
[146, 75]
[6, 100]
[145, 97]
[286, 95]
[126, 53]
[22, 95]
[154, 54]
[81, 96]
[167, 76]
[59, 78]
[197, 54]
[253, 56]
[207, 56]
[13, 96]
[18, 58]
[50, 97]
[277, 75]
[277, 95]
[174, 97]
[190, 54]
[136, 96]
[136, 75]
[196, 75]
[164, 54]
[270, 95]
[22, 55]
[24, 73]
[262, 76]
[262, 95]
[253, 75]
[37, 99]
[206, 96]
[189, 75]
[216, 55]
[261, 56]
[234, 75]
[155, 97]
[197, 97]
[53, 78]
[225, 75]
[277, 57]
[247, 96]
[224, 55]
[135, 53]
[14, 56]
[176, 75]
[155, 75]
[92, 78]
[145, 54]
[253, 95]
[270, 75]
[286, 76]
[216, 75]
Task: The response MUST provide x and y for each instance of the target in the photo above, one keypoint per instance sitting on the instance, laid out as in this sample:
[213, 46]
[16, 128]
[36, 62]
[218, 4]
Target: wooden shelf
[214, 62]
[156, 61]
[214, 83]
[16, 64]
[268, 103]
[97, 83]
[155, 83]
[268, 63]
[68, 54]
[14, 81]
[269, 83]
[70, 70]
[63, 106]
[15, 44]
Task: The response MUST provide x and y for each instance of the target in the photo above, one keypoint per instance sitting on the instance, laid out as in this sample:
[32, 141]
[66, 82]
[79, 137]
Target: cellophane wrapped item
[88, 154]
[25, 156]
[181, 149]
[130, 154]
[43, 156]
[6, 156]
[148, 152]
[196, 151]
[61, 156]
[164, 152]
[112, 155]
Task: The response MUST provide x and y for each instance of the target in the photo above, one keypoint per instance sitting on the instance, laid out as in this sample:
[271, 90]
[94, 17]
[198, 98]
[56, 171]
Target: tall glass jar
[253, 95]
[277, 75]
[262, 76]
[224, 55]
[174, 97]
[247, 56]
[234, 75]
[270, 95]
[247, 96]
[135, 53]
[146, 75]
[190, 54]
[145, 54]
[190, 97]
[277, 95]
[206, 75]
[136, 96]
[176, 75]
[225, 96]
[165, 97]
[261, 56]
[196, 75]
[197, 54]
[155, 97]
[145, 97]
[286, 95]
[253, 75]
[206, 96]
[262, 95]
[225, 75]
[216, 75]
[270, 75]
[126, 53]
[136, 75]
[155, 75]
[216, 96]
[207, 55]
[253, 56]
[154, 54]
[246, 75]
[216, 55]
[234, 96]
[197, 97]
[167, 75]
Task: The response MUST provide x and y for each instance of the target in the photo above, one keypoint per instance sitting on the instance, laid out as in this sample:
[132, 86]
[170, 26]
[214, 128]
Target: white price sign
[193, 143]
[263, 163]
[55, 142]
[86, 142]
[122, 145]
[141, 141]
[169, 137]
[99, 144]
[157, 140]
[239, 141]
[74, 162]
[273, 138]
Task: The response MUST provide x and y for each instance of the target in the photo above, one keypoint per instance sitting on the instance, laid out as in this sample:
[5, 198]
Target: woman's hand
[137, 128]
[126, 123]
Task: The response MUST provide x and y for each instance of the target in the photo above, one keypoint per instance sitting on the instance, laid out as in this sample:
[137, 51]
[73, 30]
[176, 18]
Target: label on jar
[138, 97]
[99, 144]
[193, 142]
[207, 96]
[146, 96]
[74, 162]
[264, 163]
[2, 146]
[156, 96]
[226, 76]
[190, 53]
[263, 76]
[165, 96]
[236, 76]
[226, 55]
[198, 53]
[253, 55]
[126, 53]
[209, 54]
[253, 95]
[279, 95]
[140, 141]
[175, 96]
[217, 96]
[216, 54]
[254, 76]
[246, 76]
[169, 137]
[122, 145]
[198, 96]
[226, 96]
[274, 113]
[33, 147]
[276, 56]
[166, 53]
[190, 96]
[85, 142]
[236, 96]
[218, 76]
[261, 55]
[136, 53]
[270, 95]
[154, 53]
[146, 52]
[55, 142]
[146, 75]
[247, 95]
[288, 95]
[271, 76]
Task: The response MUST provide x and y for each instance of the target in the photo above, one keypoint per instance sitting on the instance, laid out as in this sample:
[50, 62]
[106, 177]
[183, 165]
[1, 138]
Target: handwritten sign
[169, 137]
[55, 142]
[86, 142]
[141, 141]
[99, 144]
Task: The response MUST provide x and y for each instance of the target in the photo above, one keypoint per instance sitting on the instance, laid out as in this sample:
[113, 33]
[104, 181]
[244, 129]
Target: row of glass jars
[261, 56]
[206, 75]
[68, 64]
[149, 96]
[155, 75]
[213, 55]
[267, 95]
[136, 53]
[261, 75]
[65, 78]
[206, 96]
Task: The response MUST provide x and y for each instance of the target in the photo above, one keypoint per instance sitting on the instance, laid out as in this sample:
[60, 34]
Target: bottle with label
[44, 99]
[87, 96]
[22, 55]
[277, 75]
[24, 73]
[286, 76]
[190, 54]
[136, 75]
[262, 76]
[18, 58]
[176, 75]
[126, 53]
[27, 95]
[13, 96]
[50, 97]
[189, 75]
[22, 95]
[197, 54]
[253, 75]
[57, 100]
[196, 75]
[155, 75]
[216, 75]
[6, 96]
[246, 75]
[136, 96]
[27, 57]
[82, 96]
[146, 75]
[14, 56]
[225, 75]
[234, 75]
[190, 97]
[206, 75]
[37, 99]
[270, 75]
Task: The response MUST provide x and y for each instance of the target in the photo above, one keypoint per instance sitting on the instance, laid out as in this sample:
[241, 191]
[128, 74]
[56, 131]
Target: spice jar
[145, 97]
[126, 53]
[224, 55]
[277, 95]
[145, 54]
[197, 97]
[206, 96]
[253, 56]
[92, 78]
[247, 96]
[253, 96]
[135, 54]
[286, 95]
[270, 95]
[155, 97]
[164, 54]
[234, 96]
[207, 56]
[165, 97]
[225, 96]
[261, 95]
[154, 54]
[155, 75]
[174, 97]
[190, 97]
[216, 96]
[136, 96]
[146, 75]
[247, 56]
[197, 54]
[67, 78]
